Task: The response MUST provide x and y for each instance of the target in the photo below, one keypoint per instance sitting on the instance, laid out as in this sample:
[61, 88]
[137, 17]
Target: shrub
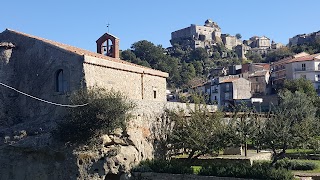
[279, 174]
[225, 170]
[295, 165]
[163, 166]
[302, 165]
[106, 111]
[263, 170]
[260, 170]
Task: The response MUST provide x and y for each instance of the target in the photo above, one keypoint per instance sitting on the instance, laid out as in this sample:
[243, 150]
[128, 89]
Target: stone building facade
[278, 70]
[260, 83]
[197, 36]
[52, 70]
[230, 41]
[225, 90]
[306, 67]
[209, 36]
[304, 38]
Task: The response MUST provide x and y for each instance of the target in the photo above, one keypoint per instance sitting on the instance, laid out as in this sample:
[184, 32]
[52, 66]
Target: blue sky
[80, 23]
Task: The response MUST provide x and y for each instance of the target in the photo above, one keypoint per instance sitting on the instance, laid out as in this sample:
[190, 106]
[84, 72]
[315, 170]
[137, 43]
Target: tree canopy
[290, 125]
[106, 111]
[201, 133]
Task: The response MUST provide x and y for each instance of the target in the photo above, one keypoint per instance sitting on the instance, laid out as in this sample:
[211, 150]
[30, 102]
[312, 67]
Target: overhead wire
[42, 100]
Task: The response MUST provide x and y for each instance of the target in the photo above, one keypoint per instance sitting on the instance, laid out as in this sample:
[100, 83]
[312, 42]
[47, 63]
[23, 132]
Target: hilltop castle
[210, 35]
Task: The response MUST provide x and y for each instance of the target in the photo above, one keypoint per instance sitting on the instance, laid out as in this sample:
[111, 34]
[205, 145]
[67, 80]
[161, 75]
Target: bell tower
[108, 45]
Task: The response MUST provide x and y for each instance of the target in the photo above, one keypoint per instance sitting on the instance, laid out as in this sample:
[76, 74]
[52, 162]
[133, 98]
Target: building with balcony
[278, 70]
[307, 67]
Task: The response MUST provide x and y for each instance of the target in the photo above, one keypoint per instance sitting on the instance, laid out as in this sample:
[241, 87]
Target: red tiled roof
[229, 80]
[304, 58]
[288, 59]
[79, 51]
[282, 61]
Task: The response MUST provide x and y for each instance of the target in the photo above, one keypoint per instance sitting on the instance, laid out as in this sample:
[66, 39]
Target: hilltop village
[253, 81]
[54, 124]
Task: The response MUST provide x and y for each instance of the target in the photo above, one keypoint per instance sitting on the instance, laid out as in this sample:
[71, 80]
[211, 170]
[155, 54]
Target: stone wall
[241, 89]
[31, 64]
[6, 75]
[230, 41]
[31, 68]
[135, 82]
[161, 176]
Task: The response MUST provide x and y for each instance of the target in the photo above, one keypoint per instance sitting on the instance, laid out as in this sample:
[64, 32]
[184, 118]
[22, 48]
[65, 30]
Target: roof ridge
[80, 51]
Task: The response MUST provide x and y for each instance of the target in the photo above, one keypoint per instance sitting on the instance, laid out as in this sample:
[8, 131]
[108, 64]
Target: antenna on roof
[108, 26]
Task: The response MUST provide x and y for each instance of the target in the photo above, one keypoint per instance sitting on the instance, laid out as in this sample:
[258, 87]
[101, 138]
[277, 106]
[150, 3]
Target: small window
[257, 79]
[154, 94]
[303, 67]
[60, 80]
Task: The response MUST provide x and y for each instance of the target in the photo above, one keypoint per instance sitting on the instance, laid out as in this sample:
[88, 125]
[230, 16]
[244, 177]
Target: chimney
[108, 45]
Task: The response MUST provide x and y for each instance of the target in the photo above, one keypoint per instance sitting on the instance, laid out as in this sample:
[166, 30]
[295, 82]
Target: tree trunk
[279, 156]
[245, 149]
[191, 155]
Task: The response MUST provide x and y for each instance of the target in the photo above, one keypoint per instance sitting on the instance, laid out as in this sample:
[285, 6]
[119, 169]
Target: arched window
[61, 83]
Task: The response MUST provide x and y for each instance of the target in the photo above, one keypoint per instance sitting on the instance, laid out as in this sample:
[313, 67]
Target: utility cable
[42, 100]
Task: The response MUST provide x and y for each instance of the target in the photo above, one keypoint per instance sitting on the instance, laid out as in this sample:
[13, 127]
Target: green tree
[187, 72]
[129, 56]
[290, 125]
[198, 67]
[200, 134]
[147, 51]
[246, 125]
[304, 86]
[278, 54]
[255, 57]
[216, 55]
[198, 54]
[238, 36]
[147, 54]
[301, 85]
[106, 111]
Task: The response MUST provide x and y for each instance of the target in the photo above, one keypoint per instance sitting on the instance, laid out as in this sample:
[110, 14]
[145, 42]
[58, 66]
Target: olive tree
[198, 132]
[106, 111]
[290, 125]
[246, 124]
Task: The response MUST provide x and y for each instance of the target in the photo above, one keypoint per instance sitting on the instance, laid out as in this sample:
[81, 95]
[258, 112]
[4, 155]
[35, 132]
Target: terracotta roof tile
[229, 80]
[79, 51]
[305, 58]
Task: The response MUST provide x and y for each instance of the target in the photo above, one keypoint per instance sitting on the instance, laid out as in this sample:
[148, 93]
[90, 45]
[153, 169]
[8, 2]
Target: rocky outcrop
[28, 150]
[29, 154]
